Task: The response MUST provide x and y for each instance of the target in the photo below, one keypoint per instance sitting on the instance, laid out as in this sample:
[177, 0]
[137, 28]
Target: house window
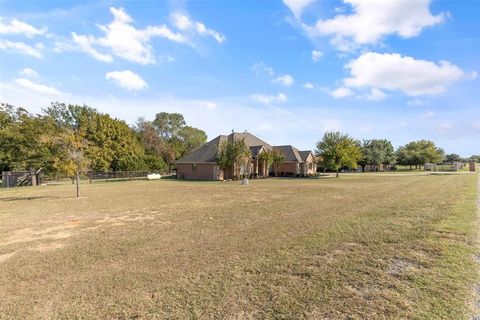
[194, 167]
[310, 166]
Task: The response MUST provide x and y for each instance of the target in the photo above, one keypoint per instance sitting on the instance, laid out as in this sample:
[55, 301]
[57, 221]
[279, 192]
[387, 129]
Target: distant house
[201, 163]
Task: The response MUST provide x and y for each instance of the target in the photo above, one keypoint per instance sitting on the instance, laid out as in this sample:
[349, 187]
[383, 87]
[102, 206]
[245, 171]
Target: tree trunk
[77, 182]
[337, 173]
[363, 168]
[33, 178]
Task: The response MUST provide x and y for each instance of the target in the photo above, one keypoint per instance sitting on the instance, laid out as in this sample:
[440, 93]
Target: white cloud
[373, 20]
[375, 95]
[428, 114]
[308, 85]
[15, 26]
[29, 73]
[166, 58]
[127, 80]
[269, 99]
[124, 40]
[341, 92]
[85, 44]
[209, 105]
[286, 80]
[37, 87]
[417, 102]
[22, 48]
[396, 72]
[261, 68]
[184, 23]
[316, 55]
[297, 6]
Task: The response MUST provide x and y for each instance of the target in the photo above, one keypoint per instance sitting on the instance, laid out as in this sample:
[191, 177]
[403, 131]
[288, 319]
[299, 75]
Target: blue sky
[286, 71]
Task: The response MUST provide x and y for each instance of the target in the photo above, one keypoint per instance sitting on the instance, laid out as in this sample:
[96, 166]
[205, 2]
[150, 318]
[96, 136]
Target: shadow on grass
[27, 198]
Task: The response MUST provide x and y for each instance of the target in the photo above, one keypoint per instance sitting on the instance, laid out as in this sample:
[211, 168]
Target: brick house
[201, 163]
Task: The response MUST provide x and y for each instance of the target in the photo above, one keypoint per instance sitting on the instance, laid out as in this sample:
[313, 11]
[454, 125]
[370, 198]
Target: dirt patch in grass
[401, 266]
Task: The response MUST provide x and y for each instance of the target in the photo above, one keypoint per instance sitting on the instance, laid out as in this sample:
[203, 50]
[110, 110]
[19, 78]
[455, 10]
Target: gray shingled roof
[290, 152]
[208, 152]
[249, 138]
[304, 154]
[255, 150]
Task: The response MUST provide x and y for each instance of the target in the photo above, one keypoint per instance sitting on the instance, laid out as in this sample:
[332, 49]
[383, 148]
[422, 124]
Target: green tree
[376, 152]
[475, 158]
[338, 150]
[20, 147]
[69, 153]
[266, 157]
[113, 145]
[452, 158]
[153, 144]
[169, 125]
[178, 138]
[191, 139]
[231, 156]
[417, 153]
[277, 160]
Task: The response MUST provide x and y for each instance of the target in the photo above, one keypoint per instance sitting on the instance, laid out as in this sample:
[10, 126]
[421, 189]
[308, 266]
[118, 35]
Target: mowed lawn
[364, 246]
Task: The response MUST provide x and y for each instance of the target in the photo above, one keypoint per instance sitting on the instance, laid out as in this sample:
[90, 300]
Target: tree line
[72, 139]
[336, 151]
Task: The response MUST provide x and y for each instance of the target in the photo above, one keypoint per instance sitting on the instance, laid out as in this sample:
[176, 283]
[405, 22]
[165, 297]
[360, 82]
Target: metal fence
[116, 175]
[12, 179]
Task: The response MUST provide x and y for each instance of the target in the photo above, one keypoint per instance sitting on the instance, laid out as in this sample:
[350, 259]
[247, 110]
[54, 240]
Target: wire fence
[10, 179]
[117, 175]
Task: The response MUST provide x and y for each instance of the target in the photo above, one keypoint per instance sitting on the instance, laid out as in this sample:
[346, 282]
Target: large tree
[153, 144]
[449, 158]
[376, 152]
[231, 156]
[175, 138]
[417, 153]
[113, 145]
[338, 150]
[20, 147]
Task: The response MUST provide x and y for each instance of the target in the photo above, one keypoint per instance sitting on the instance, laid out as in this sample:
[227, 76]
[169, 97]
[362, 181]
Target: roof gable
[208, 152]
[290, 152]
[304, 154]
[205, 153]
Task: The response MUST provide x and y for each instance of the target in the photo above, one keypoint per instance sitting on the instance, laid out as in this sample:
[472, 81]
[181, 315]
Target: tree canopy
[338, 150]
[417, 153]
[111, 144]
[168, 137]
[376, 152]
[231, 156]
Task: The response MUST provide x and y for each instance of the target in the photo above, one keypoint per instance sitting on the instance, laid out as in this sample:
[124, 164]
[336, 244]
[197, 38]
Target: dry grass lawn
[359, 247]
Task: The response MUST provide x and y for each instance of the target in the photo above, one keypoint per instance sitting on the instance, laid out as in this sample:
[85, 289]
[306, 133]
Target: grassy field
[364, 246]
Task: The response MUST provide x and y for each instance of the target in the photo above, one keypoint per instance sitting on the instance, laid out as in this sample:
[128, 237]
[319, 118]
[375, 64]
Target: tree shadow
[27, 198]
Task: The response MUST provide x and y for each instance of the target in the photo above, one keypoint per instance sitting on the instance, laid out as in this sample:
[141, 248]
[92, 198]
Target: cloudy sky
[286, 71]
